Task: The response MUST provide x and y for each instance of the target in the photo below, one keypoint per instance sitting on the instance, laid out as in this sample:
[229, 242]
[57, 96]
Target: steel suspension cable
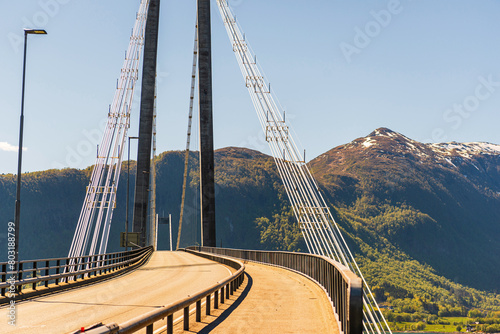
[97, 211]
[188, 143]
[321, 233]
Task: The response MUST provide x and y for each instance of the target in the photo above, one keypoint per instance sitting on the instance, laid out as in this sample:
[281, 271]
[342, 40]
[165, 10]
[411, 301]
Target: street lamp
[20, 148]
[128, 191]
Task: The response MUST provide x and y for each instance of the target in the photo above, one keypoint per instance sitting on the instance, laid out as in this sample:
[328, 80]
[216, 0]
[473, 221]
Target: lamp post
[20, 148]
[128, 191]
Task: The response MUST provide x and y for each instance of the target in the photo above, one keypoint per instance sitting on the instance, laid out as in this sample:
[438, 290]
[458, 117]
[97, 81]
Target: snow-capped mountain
[438, 202]
[403, 144]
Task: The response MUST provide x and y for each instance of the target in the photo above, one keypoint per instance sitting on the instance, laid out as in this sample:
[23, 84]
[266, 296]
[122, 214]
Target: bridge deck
[168, 277]
[272, 300]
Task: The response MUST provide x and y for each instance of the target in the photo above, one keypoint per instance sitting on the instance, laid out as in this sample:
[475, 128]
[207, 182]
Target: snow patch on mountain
[465, 150]
[368, 142]
[448, 153]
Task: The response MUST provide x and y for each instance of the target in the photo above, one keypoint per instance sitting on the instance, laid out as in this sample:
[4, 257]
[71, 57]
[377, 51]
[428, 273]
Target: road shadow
[230, 309]
[93, 304]
[151, 267]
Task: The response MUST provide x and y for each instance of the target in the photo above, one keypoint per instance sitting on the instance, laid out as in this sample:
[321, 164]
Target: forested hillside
[247, 188]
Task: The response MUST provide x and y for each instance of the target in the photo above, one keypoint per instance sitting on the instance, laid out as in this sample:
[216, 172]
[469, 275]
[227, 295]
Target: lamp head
[35, 31]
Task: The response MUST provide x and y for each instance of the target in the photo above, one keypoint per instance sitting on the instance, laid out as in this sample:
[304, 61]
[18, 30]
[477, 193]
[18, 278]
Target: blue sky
[428, 69]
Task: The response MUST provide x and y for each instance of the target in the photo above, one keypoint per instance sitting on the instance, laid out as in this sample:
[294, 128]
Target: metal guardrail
[220, 291]
[344, 288]
[50, 274]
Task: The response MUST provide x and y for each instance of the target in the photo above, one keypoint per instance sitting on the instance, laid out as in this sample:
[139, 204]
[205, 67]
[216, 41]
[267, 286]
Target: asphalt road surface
[168, 277]
[272, 300]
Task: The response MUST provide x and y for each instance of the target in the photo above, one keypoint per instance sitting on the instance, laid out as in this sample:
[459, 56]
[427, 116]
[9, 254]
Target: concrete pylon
[141, 198]
[207, 186]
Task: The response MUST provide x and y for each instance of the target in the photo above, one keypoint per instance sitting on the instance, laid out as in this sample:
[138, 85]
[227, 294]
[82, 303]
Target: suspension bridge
[143, 289]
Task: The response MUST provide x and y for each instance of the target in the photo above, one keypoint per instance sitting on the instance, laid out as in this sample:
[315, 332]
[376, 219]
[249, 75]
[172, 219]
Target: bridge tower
[141, 198]
[207, 186]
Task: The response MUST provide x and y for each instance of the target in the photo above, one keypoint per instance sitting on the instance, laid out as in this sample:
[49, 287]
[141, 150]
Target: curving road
[168, 277]
[272, 300]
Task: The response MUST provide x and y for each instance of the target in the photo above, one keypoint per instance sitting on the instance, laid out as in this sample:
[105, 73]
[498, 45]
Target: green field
[436, 327]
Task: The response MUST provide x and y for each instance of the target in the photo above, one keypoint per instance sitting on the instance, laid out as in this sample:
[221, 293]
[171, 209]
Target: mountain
[247, 187]
[438, 203]
[421, 219]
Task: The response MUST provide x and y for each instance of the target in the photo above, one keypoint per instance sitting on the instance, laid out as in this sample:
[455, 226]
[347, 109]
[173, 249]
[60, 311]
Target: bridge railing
[37, 276]
[220, 291]
[343, 287]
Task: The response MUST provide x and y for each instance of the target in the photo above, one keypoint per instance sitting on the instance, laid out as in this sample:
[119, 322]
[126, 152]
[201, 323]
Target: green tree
[281, 233]
[475, 314]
